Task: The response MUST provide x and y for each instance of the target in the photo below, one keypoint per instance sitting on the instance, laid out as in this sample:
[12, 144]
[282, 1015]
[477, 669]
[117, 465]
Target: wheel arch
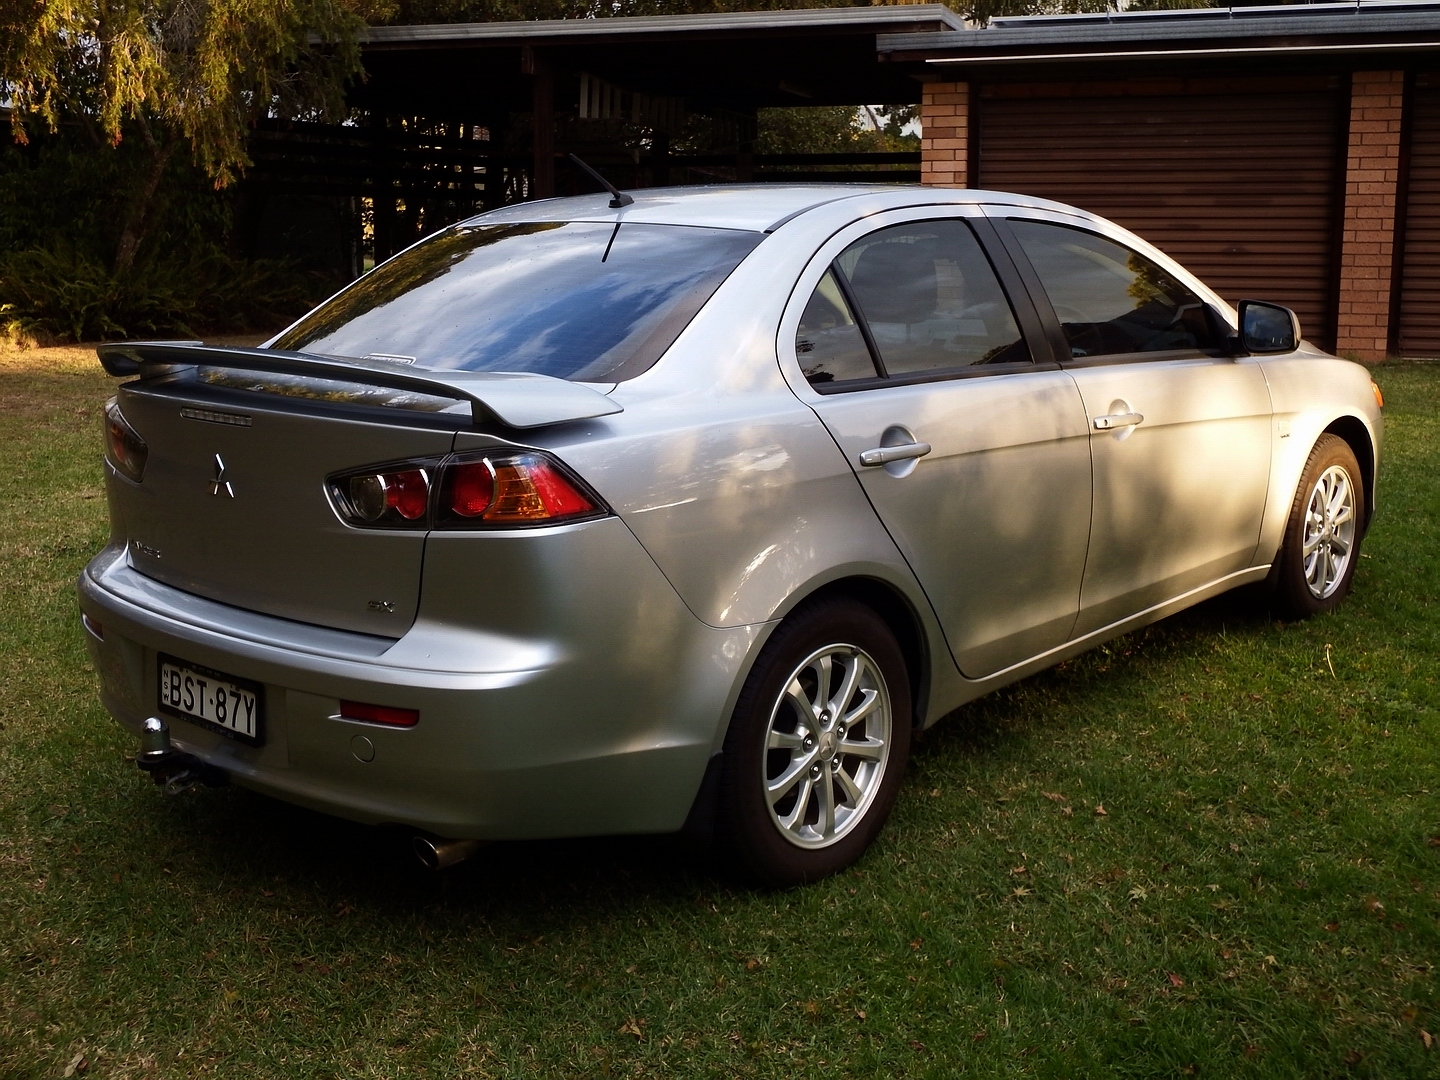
[896, 609]
[1353, 430]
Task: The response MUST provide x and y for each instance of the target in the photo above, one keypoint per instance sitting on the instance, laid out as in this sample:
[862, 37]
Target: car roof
[755, 207]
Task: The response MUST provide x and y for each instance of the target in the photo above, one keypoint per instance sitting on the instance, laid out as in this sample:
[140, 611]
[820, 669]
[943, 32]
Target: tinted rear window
[578, 300]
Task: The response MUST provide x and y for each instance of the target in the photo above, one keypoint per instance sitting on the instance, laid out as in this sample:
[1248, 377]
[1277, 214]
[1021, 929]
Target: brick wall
[945, 134]
[1372, 174]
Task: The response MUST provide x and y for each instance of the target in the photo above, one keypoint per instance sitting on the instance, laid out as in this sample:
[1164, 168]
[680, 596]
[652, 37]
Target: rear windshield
[588, 301]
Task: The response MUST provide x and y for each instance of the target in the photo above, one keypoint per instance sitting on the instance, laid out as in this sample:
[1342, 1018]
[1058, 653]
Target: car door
[907, 345]
[1179, 432]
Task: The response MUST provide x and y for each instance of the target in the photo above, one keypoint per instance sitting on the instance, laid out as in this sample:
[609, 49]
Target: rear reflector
[92, 625]
[379, 714]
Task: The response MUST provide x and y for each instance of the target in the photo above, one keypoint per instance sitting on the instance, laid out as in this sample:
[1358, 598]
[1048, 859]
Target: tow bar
[174, 770]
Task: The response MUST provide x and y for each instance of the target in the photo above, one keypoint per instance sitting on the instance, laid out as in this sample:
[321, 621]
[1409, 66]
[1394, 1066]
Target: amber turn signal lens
[530, 489]
[1379, 397]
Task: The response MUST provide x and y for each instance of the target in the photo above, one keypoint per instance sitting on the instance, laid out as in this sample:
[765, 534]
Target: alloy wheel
[826, 745]
[1329, 532]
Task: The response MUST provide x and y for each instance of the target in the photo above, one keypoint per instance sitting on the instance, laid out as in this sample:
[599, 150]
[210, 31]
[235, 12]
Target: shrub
[64, 293]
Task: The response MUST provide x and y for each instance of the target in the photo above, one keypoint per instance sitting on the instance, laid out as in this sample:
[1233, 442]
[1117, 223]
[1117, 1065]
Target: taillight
[124, 449]
[472, 487]
[475, 491]
[512, 489]
[379, 714]
[395, 496]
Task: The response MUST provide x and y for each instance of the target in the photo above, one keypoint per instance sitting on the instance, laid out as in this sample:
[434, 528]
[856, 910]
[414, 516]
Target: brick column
[1367, 252]
[945, 134]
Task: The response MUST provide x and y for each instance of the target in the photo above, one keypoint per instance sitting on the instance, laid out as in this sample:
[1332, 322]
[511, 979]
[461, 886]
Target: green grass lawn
[1209, 849]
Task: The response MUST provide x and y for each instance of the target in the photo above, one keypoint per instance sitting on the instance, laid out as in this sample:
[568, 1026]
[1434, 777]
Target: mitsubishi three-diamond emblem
[219, 485]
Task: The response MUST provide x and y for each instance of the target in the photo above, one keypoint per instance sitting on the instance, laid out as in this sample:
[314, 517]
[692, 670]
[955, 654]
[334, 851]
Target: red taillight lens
[379, 714]
[408, 493]
[472, 487]
[385, 498]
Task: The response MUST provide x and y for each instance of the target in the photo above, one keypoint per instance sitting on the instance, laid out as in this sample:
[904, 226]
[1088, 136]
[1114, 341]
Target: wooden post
[542, 112]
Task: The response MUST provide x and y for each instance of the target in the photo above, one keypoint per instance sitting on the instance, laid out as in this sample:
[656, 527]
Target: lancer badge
[219, 484]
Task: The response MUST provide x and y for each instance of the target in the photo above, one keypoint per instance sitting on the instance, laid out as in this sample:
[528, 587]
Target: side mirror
[1268, 328]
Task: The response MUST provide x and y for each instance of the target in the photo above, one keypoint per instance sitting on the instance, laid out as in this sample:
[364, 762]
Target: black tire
[1296, 594]
[750, 824]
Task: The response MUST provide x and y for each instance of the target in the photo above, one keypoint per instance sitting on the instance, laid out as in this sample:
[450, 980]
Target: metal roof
[563, 30]
[733, 60]
[1313, 30]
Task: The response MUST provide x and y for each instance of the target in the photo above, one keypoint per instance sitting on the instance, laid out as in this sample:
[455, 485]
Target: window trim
[857, 313]
[1055, 330]
[970, 371]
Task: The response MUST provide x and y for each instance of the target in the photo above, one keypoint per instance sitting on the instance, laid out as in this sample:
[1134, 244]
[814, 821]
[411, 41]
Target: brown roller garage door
[1236, 179]
[1419, 333]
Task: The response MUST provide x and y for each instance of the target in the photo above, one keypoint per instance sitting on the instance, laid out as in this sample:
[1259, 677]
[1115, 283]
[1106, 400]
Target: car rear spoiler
[516, 399]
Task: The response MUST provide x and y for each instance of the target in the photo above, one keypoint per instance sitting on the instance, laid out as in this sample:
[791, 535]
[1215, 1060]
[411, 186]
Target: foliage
[60, 188]
[832, 129]
[61, 293]
[1259, 899]
[62, 205]
[176, 69]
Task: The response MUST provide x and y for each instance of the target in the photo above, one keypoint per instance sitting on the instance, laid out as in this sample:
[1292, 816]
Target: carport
[455, 119]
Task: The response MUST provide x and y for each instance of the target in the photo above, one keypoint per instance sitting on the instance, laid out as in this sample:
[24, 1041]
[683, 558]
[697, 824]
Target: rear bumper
[603, 725]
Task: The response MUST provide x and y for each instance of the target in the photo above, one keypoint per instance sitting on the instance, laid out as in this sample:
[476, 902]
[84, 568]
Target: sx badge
[218, 484]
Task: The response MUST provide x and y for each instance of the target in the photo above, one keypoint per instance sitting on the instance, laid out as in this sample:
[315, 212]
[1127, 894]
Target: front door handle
[1118, 420]
[884, 455]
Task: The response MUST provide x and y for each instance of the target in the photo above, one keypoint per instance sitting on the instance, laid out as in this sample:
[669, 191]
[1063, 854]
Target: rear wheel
[817, 746]
[1322, 538]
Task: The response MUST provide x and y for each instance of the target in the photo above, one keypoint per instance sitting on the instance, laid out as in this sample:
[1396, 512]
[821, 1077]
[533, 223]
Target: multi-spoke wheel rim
[826, 746]
[1329, 532]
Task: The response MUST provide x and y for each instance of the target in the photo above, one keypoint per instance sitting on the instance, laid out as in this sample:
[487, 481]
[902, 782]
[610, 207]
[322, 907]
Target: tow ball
[174, 770]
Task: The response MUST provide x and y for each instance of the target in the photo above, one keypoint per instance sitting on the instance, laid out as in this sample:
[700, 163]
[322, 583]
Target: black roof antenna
[620, 198]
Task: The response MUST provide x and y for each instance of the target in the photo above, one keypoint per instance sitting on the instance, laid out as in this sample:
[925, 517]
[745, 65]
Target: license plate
[211, 698]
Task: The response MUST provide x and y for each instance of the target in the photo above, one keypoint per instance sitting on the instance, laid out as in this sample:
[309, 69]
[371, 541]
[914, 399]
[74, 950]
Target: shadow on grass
[234, 835]
[1011, 716]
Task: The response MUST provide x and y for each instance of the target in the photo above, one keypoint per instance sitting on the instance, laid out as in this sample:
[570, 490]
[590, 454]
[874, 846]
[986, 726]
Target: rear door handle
[883, 455]
[1118, 420]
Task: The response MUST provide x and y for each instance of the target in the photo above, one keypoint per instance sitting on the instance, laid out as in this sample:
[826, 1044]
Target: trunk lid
[261, 534]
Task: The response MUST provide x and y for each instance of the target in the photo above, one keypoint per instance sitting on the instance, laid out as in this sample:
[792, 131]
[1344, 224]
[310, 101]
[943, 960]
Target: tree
[175, 73]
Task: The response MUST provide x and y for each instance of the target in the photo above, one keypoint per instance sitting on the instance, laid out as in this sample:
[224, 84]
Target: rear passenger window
[930, 298]
[1111, 300]
[907, 300]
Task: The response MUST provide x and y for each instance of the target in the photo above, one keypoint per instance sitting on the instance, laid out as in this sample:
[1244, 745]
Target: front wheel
[817, 745]
[1321, 547]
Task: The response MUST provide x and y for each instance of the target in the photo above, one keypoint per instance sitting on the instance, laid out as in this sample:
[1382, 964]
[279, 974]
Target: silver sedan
[689, 509]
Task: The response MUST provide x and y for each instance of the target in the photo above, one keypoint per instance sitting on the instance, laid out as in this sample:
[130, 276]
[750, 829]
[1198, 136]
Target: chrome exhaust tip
[437, 853]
